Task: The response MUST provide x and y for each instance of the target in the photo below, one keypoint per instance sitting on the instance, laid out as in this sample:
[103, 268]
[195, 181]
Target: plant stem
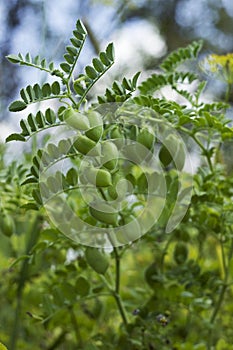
[117, 262]
[228, 91]
[117, 287]
[76, 327]
[223, 289]
[121, 308]
[224, 286]
[116, 292]
[204, 151]
[33, 235]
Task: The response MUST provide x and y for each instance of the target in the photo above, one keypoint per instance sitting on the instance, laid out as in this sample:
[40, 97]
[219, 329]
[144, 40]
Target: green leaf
[118, 88]
[17, 106]
[177, 57]
[46, 90]
[127, 84]
[37, 91]
[40, 119]
[135, 79]
[25, 128]
[77, 43]
[50, 116]
[53, 151]
[28, 58]
[82, 286]
[24, 95]
[110, 52]
[32, 122]
[31, 93]
[79, 88]
[30, 180]
[98, 65]
[55, 88]
[91, 72]
[15, 137]
[71, 50]
[37, 196]
[104, 59]
[29, 206]
[69, 58]
[80, 27]
[13, 58]
[72, 177]
[65, 67]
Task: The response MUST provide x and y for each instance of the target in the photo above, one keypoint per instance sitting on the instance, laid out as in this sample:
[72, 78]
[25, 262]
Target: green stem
[228, 91]
[121, 308]
[198, 142]
[117, 264]
[116, 291]
[76, 327]
[69, 94]
[33, 236]
[224, 286]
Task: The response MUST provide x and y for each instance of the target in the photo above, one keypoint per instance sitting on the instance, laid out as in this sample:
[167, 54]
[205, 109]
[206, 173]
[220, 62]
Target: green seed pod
[7, 225]
[98, 177]
[97, 261]
[84, 145]
[104, 213]
[94, 118]
[180, 253]
[119, 191]
[76, 119]
[112, 190]
[116, 133]
[95, 133]
[146, 138]
[109, 155]
[96, 126]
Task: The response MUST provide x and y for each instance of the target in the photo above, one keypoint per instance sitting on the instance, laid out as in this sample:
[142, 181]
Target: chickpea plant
[121, 246]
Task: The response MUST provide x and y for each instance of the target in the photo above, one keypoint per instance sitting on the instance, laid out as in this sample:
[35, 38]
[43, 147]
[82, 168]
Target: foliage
[149, 264]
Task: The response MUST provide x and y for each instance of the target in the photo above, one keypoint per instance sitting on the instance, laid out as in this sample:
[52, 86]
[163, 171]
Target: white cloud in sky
[134, 41]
